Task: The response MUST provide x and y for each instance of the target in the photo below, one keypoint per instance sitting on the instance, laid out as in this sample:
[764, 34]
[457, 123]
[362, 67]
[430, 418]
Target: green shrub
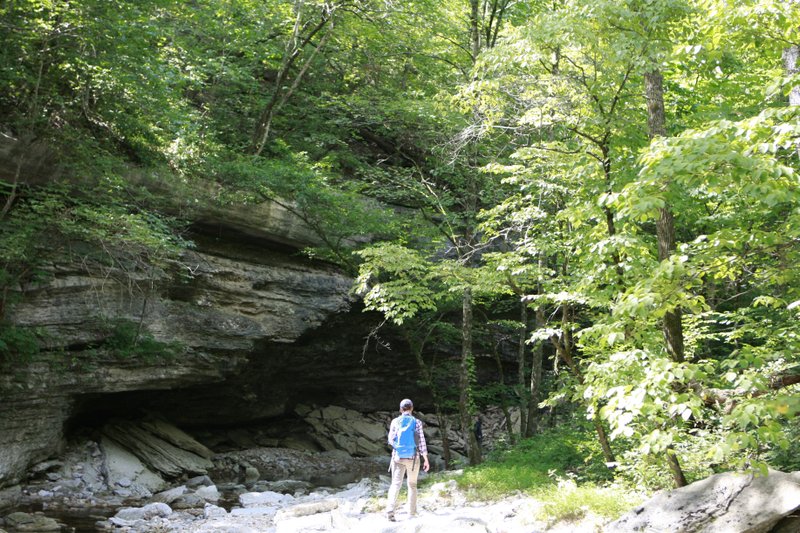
[567, 501]
[17, 345]
[569, 450]
[128, 341]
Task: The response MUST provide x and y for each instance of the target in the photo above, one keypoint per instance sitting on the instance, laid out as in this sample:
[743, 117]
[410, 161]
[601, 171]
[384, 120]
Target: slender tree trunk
[665, 227]
[12, 195]
[444, 428]
[672, 326]
[503, 401]
[474, 30]
[536, 378]
[790, 63]
[675, 468]
[280, 94]
[791, 58]
[563, 346]
[521, 349]
[465, 387]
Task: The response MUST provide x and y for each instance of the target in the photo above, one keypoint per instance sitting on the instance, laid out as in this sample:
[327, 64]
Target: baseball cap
[406, 404]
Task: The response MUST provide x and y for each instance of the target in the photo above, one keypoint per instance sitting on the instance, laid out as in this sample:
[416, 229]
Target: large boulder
[723, 503]
[124, 470]
[338, 428]
[156, 452]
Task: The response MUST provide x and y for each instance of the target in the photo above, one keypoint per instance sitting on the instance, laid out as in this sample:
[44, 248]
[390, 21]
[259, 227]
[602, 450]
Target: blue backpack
[406, 440]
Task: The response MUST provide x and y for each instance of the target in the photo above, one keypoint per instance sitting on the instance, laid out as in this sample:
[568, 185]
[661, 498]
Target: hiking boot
[390, 517]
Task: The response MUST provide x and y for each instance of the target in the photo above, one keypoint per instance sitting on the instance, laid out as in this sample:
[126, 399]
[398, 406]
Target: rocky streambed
[146, 474]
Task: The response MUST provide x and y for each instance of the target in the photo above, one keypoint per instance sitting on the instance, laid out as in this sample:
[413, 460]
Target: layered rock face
[243, 298]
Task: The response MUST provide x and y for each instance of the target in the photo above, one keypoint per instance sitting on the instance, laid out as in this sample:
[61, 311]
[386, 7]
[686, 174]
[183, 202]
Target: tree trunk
[281, 94]
[465, 387]
[563, 346]
[474, 30]
[523, 333]
[671, 326]
[443, 430]
[608, 454]
[536, 378]
[790, 60]
[675, 468]
[503, 401]
[791, 55]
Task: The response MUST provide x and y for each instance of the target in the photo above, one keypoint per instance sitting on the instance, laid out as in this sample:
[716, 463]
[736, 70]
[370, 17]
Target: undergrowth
[561, 467]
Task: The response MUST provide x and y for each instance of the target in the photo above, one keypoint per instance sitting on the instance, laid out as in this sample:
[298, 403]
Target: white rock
[210, 493]
[151, 510]
[199, 481]
[268, 498]
[306, 509]
[254, 511]
[213, 511]
[169, 496]
[122, 468]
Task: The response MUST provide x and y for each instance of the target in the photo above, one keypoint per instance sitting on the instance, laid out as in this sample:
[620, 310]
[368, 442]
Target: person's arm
[423, 446]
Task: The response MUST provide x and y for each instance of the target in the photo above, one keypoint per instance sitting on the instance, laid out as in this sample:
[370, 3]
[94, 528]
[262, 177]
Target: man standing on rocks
[408, 444]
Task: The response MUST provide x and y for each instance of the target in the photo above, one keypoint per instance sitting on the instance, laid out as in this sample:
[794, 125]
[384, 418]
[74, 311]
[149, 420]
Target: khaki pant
[401, 467]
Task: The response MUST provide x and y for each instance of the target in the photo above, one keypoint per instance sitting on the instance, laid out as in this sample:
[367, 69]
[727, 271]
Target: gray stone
[46, 466]
[170, 495]
[288, 486]
[262, 499]
[251, 474]
[722, 503]
[122, 468]
[254, 511]
[10, 497]
[348, 430]
[151, 510]
[23, 522]
[213, 511]
[155, 452]
[121, 522]
[209, 494]
[306, 509]
[228, 528]
[198, 481]
[303, 444]
[189, 501]
[176, 437]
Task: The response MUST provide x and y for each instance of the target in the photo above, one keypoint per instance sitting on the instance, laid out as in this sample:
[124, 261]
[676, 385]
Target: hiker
[408, 444]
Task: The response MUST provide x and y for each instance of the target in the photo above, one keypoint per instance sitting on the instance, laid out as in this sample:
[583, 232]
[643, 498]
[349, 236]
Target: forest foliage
[606, 190]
